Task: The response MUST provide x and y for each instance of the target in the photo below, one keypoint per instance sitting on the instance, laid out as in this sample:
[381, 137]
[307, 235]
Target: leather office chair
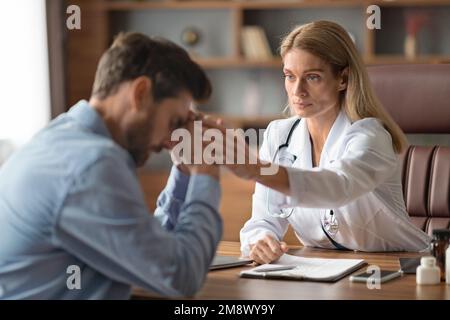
[418, 98]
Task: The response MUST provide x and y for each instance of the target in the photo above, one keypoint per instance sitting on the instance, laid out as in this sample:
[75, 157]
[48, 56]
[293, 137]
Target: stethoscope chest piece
[330, 223]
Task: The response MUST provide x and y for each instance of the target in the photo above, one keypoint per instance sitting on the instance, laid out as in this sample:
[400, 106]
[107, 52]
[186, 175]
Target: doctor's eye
[312, 77]
[289, 77]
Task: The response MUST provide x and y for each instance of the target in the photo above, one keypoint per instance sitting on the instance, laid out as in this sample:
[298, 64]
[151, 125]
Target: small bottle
[439, 245]
[447, 265]
[428, 272]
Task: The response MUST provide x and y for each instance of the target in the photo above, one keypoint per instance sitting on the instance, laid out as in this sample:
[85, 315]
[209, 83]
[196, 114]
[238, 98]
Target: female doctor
[338, 183]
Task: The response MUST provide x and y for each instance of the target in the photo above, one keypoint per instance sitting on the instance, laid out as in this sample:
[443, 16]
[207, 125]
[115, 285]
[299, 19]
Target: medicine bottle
[428, 272]
[439, 245]
[447, 265]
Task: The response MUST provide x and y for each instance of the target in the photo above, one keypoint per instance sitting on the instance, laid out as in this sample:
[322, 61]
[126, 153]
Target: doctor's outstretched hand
[244, 162]
[267, 249]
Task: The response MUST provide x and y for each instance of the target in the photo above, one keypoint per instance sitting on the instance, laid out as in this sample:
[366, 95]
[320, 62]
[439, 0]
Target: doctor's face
[312, 87]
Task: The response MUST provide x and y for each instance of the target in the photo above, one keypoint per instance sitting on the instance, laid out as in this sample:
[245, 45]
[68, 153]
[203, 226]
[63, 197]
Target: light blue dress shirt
[71, 197]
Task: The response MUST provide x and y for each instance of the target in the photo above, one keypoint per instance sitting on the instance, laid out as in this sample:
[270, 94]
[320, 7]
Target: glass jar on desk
[439, 244]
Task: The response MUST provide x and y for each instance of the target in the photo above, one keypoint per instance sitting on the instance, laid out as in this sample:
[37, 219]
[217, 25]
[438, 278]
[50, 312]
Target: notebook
[301, 268]
[222, 262]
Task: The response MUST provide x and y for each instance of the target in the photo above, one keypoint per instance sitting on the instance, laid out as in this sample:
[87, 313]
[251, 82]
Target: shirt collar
[337, 131]
[86, 116]
[300, 144]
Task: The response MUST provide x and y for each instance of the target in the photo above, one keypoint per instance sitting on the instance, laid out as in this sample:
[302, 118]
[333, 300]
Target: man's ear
[141, 92]
[343, 79]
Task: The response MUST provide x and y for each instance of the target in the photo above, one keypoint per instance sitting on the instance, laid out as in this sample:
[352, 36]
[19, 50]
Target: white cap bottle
[428, 272]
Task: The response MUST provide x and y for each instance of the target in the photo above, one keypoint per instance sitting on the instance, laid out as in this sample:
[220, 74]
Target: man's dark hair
[169, 67]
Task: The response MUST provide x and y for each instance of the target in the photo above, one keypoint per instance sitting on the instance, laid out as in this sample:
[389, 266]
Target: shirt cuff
[177, 184]
[204, 188]
[252, 238]
[297, 186]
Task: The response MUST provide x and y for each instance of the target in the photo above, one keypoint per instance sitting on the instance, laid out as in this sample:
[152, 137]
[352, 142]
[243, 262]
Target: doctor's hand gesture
[244, 162]
[236, 155]
[184, 159]
[267, 250]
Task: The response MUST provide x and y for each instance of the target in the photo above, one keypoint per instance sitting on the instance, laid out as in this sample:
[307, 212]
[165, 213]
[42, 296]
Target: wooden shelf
[263, 5]
[406, 3]
[238, 8]
[142, 5]
[298, 4]
[400, 59]
[283, 4]
[246, 121]
[222, 63]
[99, 17]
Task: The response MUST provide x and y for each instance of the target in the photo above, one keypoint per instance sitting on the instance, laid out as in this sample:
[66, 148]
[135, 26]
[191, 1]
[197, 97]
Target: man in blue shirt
[73, 220]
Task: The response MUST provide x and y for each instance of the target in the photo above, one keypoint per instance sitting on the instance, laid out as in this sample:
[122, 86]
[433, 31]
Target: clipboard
[306, 269]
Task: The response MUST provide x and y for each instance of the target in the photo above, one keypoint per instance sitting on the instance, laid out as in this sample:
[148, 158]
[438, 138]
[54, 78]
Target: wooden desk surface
[226, 283]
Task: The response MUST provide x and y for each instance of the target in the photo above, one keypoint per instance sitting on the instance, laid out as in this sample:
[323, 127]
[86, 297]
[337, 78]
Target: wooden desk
[226, 284]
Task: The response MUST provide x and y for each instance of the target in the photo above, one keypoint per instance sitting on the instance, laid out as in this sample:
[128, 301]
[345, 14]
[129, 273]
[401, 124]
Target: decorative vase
[411, 46]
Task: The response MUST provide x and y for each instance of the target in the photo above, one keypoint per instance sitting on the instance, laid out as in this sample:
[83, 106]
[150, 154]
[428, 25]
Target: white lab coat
[359, 178]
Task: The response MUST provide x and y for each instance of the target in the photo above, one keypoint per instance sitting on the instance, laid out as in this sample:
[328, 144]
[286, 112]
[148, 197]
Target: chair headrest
[416, 96]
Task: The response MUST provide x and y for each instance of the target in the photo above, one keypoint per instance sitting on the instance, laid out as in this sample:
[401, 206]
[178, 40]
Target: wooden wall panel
[84, 48]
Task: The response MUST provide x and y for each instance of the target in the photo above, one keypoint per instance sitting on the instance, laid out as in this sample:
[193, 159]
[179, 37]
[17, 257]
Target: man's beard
[138, 150]
[139, 156]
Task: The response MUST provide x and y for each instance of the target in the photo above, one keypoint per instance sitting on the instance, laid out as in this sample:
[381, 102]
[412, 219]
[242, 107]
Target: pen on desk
[280, 268]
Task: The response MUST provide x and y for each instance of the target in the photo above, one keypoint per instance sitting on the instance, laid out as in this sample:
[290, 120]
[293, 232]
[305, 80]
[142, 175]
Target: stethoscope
[330, 224]
[275, 199]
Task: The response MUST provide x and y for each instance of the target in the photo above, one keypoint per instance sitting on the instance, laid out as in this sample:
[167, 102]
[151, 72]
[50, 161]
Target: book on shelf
[255, 44]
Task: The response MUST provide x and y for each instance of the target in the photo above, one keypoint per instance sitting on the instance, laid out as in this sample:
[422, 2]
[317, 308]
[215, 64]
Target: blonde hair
[330, 42]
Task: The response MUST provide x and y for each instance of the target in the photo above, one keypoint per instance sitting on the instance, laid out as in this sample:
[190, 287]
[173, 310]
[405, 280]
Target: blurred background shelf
[263, 4]
[249, 91]
[234, 121]
[219, 63]
[220, 24]
[222, 63]
[399, 59]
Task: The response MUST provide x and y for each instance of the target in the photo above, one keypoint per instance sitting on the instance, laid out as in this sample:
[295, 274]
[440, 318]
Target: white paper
[318, 269]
